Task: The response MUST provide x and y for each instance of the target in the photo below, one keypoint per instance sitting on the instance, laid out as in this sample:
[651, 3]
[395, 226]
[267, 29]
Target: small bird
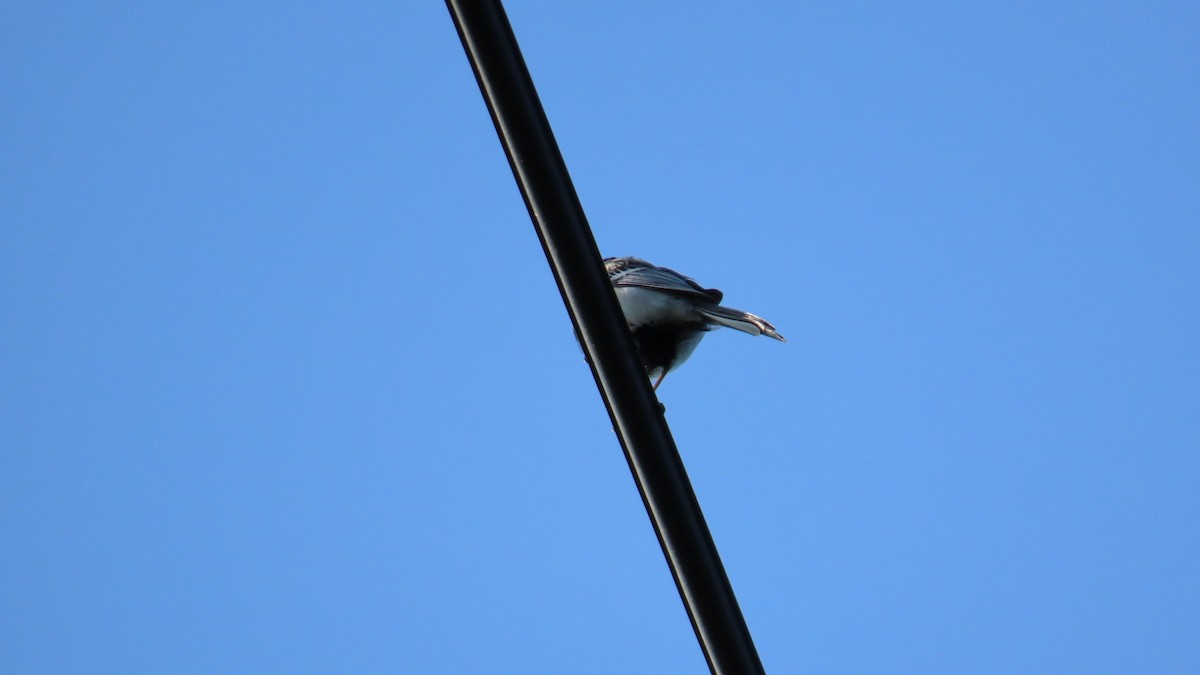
[669, 313]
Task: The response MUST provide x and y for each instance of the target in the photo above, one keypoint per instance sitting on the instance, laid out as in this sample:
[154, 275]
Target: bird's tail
[739, 320]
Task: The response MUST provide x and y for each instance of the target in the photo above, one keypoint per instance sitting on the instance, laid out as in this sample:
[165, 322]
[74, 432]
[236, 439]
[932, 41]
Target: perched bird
[669, 313]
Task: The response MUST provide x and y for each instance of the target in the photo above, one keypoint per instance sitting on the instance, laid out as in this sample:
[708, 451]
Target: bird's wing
[633, 272]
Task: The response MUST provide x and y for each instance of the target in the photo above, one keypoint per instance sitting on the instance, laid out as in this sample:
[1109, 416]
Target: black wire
[578, 269]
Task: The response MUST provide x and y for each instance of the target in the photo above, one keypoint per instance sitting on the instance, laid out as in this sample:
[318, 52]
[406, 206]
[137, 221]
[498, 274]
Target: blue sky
[287, 385]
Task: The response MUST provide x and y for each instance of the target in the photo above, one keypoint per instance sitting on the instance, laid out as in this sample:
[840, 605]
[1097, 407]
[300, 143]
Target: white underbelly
[642, 306]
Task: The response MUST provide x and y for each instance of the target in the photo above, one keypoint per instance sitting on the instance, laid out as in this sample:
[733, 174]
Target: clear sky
[287, 385]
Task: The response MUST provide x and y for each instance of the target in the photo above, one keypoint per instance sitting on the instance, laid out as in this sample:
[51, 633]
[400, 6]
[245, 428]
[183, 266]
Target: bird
[669, 313]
